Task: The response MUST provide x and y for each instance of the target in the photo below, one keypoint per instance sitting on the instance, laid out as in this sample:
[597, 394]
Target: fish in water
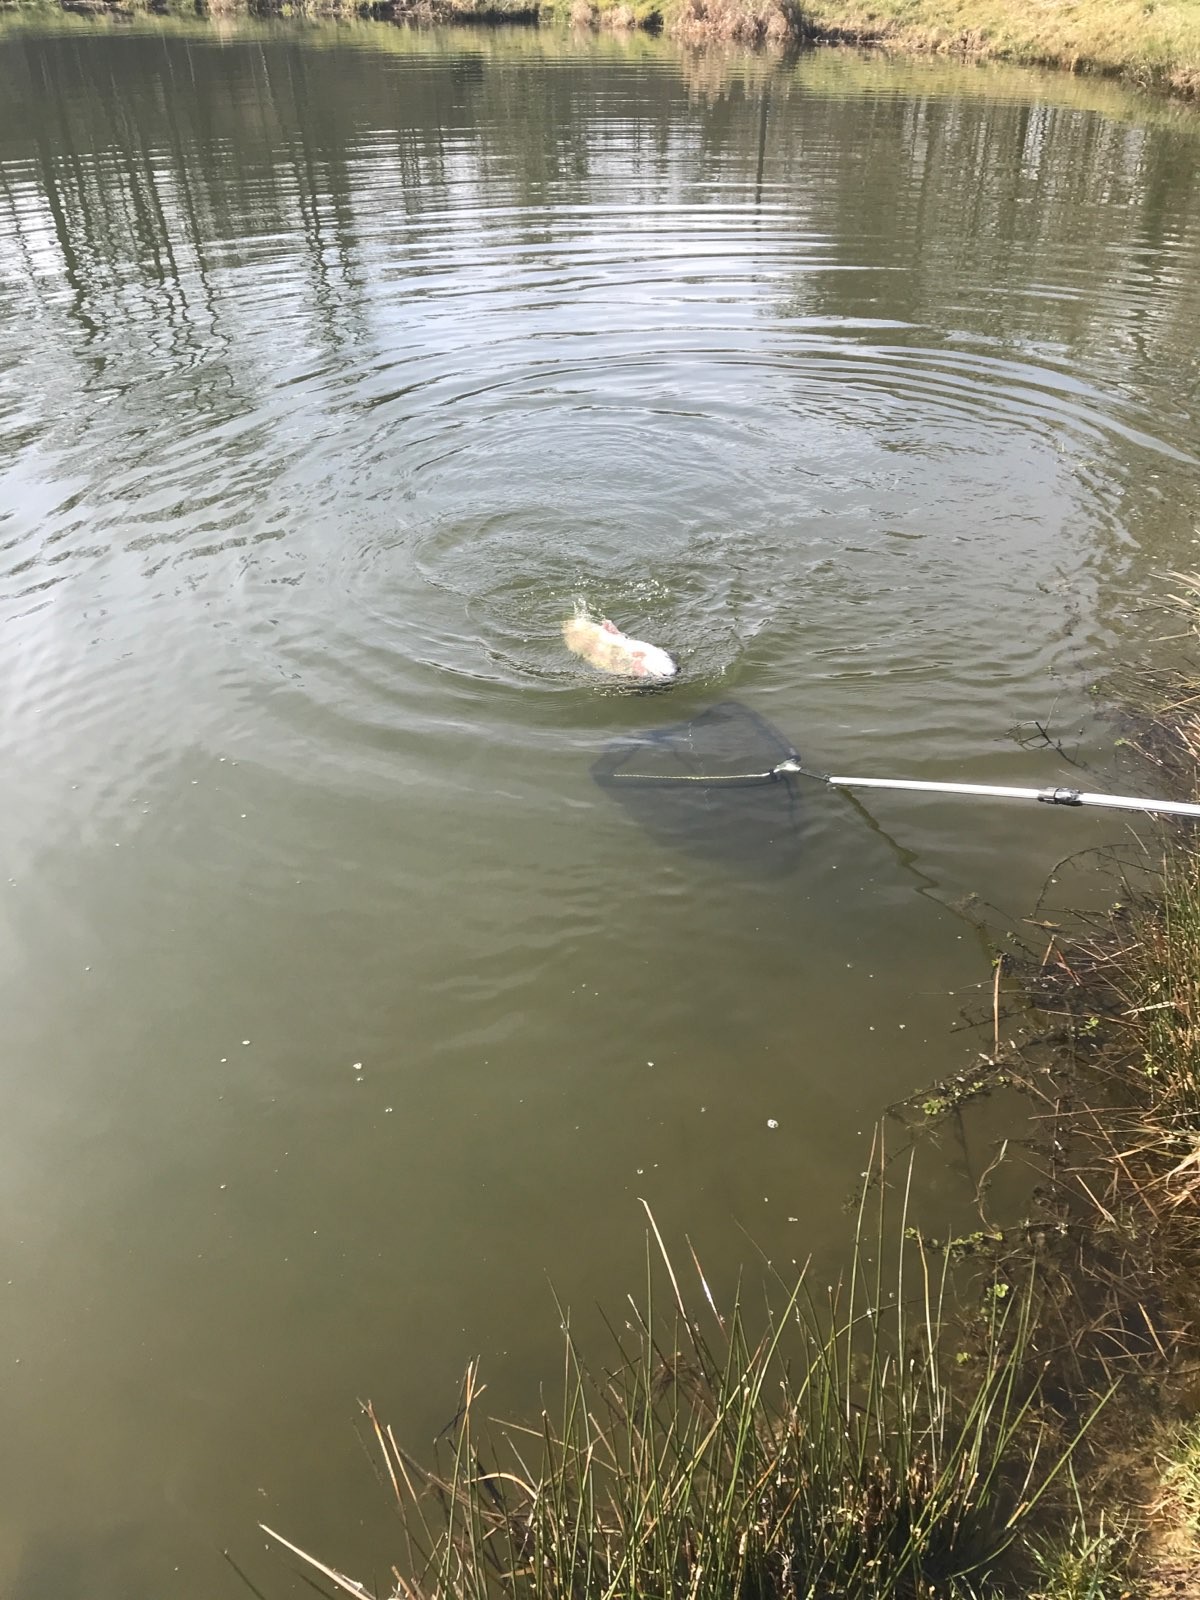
[603, 646]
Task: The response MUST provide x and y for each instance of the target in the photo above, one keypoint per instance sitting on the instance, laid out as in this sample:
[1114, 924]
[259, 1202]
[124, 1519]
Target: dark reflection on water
[341, 1007]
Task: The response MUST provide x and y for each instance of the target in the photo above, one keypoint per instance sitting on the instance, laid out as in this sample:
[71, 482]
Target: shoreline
[1150, 46]
[1155, 45]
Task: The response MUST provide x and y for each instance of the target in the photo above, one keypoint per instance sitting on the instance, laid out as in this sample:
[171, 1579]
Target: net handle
[1054, 797]
[1057, 796]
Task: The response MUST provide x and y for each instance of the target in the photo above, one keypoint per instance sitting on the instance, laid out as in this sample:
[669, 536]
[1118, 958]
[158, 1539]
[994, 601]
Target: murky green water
[341, 1010]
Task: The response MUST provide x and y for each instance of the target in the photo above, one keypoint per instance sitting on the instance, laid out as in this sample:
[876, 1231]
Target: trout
[603, 646]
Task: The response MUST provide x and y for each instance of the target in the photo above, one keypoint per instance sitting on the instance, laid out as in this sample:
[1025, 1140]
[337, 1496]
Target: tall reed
[848, 1446]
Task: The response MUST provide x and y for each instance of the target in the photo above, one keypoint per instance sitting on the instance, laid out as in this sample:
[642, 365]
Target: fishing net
[712, 786]
[724, 785]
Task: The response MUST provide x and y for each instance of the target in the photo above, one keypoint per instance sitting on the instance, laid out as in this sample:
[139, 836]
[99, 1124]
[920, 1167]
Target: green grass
[1181, 1476]
[1151, 41]
[1082, 1562]
[860, 1444]
[1177, 1507]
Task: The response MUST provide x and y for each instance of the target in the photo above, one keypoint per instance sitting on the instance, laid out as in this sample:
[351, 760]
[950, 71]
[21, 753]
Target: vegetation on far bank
[1154, 43]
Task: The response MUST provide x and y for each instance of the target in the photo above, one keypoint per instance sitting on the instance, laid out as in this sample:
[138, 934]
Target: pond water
[343, 1012]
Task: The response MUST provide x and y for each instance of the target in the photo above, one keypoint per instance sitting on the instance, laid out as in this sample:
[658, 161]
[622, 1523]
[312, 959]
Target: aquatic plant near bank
[860, 1443]
[1086, 1560]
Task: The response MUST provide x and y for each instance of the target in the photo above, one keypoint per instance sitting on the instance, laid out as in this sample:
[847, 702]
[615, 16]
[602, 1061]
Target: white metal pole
[1054, 797]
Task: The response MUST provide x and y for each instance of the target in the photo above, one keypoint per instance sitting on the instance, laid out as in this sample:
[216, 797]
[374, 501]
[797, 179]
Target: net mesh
[709, 786]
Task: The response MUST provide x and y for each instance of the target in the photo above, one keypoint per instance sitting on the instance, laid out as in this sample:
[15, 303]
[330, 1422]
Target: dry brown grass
[745, 21]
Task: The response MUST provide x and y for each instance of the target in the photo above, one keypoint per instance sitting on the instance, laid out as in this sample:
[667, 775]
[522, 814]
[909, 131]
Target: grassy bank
[1152, 43]
[1155, 43]
[1125, 994]
[1122, 994]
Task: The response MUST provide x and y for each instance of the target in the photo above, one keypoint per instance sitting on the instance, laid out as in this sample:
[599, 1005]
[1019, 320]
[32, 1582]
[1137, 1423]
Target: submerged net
[711, 787]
